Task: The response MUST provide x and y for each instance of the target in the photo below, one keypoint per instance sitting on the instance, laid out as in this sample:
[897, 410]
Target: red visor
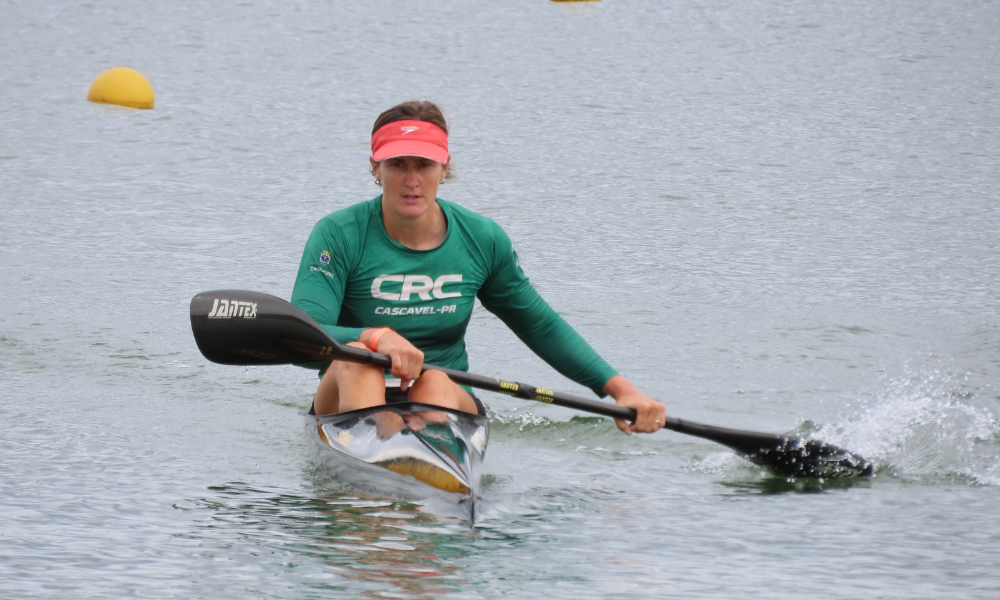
[410, 138]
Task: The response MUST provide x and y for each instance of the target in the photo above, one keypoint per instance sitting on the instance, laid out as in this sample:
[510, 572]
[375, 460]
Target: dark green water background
[770, 215]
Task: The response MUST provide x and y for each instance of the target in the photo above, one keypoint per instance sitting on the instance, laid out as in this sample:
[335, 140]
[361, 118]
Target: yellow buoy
[122, 86]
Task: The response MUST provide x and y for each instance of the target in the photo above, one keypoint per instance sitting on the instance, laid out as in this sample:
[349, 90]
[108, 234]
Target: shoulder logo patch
[324, 257]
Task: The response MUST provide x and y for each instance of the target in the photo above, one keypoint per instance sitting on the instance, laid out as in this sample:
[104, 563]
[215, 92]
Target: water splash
[923, 429]
[524, 420]
[520, 420]
[926, 429]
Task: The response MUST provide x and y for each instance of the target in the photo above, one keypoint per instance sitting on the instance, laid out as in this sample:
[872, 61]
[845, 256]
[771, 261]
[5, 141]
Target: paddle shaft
[510, 388]
[735, 438]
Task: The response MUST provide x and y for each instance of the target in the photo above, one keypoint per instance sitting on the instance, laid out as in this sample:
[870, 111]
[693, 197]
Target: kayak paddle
[239, 327]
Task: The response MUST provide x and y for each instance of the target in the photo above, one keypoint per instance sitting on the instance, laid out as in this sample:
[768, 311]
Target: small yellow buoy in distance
[122, 86]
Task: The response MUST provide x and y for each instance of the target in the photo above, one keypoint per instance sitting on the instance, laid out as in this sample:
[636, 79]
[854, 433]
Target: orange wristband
[373, 340]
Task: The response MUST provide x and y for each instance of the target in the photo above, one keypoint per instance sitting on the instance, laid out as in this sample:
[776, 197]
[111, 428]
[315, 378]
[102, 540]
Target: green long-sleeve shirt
[354, 276]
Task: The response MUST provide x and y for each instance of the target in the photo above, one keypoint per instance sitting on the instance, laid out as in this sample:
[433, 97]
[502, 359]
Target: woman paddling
[399, 275]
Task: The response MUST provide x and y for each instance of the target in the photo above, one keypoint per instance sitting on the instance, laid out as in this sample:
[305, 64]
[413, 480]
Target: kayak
[404, 450]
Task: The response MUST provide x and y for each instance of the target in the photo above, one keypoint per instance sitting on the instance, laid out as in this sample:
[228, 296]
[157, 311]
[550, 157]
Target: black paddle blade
[785, 456]
[239, 327]
[797, 457]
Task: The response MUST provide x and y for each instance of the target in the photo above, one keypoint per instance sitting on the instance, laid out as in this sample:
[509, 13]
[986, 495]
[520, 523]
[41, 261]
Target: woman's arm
[509, 295]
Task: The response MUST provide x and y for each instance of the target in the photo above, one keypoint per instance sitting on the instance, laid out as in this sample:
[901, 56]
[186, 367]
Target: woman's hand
[650, 414]
[407, 359]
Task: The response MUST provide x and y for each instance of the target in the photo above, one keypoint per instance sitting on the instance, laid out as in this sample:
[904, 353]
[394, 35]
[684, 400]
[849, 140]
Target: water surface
[772, 217]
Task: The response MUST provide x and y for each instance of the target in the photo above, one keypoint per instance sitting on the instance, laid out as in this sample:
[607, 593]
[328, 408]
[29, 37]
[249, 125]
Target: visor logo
[409, 129]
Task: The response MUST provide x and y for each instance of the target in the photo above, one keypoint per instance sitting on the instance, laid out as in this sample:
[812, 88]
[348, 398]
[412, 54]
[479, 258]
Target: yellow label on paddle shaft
[509, 388]
[544, 395]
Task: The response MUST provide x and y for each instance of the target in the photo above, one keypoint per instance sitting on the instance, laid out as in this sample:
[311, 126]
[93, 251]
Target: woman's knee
[438, 389]
[435, 380]
[343, 368]
[434, 387]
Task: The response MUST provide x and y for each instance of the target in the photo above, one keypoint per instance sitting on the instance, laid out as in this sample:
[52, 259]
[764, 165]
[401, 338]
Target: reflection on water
[380, 543]
[769, 484]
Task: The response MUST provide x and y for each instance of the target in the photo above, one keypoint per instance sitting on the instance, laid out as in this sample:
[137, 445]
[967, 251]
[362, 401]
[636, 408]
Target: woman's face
[409, 183]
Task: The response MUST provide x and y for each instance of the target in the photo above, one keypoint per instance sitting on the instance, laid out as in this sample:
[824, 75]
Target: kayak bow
[406, 450]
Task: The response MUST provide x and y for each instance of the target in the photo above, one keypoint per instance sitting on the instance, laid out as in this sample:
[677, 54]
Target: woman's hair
[414, 110]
